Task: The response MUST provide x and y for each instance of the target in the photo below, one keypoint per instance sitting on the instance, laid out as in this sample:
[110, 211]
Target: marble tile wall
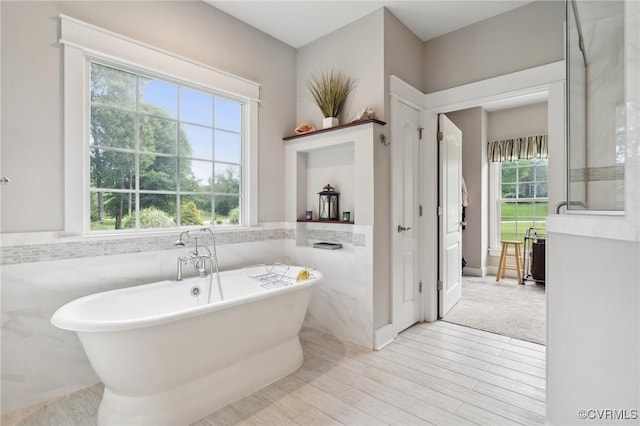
[73, 248]
[592, 174]
[41, 362]
[307, 233]
[602, 186]
[343, 304]
[604, 40]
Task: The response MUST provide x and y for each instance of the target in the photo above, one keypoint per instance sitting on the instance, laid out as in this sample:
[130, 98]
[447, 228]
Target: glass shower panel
[595, 102]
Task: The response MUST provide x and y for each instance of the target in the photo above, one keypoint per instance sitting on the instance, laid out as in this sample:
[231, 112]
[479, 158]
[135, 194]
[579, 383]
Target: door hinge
[420, 211]
[420, 129]
[440, 136]
[440, 285]
[439, 211]
[419, 286]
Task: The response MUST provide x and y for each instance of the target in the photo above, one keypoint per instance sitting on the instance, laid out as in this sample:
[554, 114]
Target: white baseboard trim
[475, 272]
[493, 270]
[382, 336]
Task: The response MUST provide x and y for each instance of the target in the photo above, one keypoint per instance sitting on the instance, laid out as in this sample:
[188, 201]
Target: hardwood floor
[433, 373]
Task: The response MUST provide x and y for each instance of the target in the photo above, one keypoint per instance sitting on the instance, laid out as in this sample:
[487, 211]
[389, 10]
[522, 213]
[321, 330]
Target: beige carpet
[503, 307]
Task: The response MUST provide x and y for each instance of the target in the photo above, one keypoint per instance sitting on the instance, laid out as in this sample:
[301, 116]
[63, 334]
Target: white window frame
[495, 182]
[83, 43]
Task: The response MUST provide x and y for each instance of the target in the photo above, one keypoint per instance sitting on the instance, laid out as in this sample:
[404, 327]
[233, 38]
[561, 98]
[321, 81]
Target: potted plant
[329, 90]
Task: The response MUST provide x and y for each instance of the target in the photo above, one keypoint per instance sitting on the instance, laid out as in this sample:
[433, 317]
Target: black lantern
[328, 209]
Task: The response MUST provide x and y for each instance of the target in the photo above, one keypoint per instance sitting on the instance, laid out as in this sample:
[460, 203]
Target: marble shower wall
[577, 114]
[604, 41]
[597, 172]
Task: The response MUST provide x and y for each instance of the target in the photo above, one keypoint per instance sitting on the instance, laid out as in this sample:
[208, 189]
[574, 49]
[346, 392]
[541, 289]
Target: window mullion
[137, 154]
[179, 161]
[212, 197]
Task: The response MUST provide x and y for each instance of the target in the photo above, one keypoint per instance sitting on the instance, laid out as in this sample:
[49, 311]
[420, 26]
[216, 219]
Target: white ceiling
[299, 22]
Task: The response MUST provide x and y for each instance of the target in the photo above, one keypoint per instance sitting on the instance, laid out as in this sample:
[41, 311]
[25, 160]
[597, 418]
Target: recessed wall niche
[334, 166]
[343, 157]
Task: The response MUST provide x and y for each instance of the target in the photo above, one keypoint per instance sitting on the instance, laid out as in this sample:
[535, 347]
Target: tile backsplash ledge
[72, 248]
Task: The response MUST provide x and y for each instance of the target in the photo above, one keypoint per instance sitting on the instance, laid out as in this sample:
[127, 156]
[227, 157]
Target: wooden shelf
[327, 221]
[342, 126]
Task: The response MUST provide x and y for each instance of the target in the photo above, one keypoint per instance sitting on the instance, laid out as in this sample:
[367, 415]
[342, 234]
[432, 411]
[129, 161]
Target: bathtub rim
[66, 317]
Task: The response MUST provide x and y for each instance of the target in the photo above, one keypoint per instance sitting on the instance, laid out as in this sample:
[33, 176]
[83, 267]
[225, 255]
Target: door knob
[402, 228]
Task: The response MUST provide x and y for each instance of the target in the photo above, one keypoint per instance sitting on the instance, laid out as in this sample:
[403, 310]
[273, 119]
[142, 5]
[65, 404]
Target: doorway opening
[526, 87]
[504, 203]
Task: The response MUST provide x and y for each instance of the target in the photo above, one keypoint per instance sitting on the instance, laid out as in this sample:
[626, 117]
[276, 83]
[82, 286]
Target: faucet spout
[181, 260]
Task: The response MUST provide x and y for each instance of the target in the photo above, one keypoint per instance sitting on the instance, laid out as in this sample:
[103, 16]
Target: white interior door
[450, 215]
[405, 177]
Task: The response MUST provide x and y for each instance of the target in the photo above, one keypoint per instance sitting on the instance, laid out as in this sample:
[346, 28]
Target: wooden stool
[516, 254]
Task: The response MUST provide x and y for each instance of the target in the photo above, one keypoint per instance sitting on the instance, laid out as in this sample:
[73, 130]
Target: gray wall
[32, 134]
[368, 50]
[526, 120]
[472, 123]
[356, 50]
[526, 37]
[403, 52]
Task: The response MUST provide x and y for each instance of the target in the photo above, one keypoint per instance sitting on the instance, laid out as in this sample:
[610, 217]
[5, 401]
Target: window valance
[525, 148]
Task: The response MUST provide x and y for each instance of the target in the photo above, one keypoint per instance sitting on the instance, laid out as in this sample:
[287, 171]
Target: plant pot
[329, 122]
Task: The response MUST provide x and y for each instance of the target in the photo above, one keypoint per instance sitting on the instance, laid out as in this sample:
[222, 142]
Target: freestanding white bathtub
[166, 357]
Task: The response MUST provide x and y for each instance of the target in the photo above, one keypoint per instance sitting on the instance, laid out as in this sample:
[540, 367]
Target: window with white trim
[161, 154]
[518, 179]
[153, 140]
[521, 198]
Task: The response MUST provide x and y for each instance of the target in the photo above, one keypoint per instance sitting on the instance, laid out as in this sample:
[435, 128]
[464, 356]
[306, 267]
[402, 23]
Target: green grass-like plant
[329, 90]
[150, 217]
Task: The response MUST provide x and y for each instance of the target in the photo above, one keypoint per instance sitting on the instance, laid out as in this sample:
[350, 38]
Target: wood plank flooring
[433, 373]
